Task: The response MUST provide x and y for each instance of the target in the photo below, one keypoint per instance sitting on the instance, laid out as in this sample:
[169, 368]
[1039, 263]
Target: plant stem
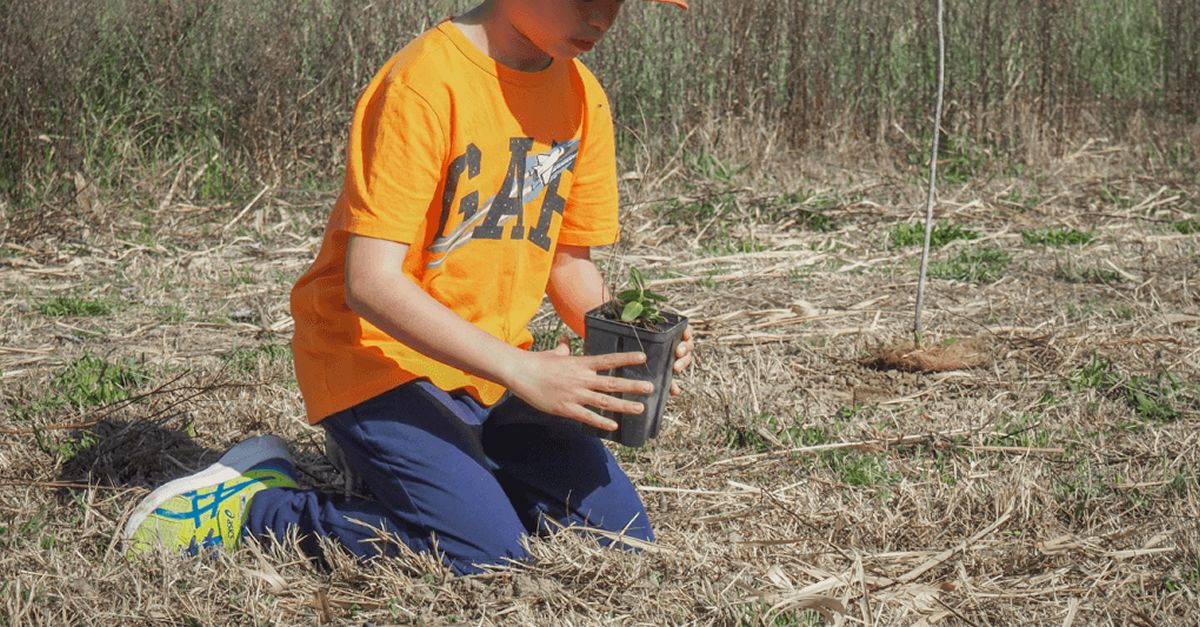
[918, 330]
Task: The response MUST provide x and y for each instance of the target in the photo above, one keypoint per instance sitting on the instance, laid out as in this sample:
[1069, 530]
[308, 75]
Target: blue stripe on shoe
[218, 495]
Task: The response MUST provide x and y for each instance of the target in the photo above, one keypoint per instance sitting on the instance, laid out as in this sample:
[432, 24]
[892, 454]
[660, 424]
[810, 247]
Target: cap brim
[679, 3]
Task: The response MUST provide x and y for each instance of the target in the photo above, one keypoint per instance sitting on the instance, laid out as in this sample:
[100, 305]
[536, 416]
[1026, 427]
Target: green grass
[1188, 578]
[87, 382]
[1023, 202]
[793, 432]
[1057, 237]
[810, 210]
[973, 265]
[861, 470]
[1187, 227]
[1088, 274]
[913, 234]
[63, 306]
[92, 381]
[733, 246]
[725, 210]
[253, 358]
[1090, 306]
[1023, 430]
[1158, 397]
[714, 168]
[759, 615]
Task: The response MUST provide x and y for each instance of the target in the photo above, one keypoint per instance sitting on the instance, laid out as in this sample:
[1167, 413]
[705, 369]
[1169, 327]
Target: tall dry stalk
[918, 330]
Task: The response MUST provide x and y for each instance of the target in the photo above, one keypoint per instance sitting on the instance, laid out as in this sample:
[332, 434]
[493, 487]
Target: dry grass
[1056, 485]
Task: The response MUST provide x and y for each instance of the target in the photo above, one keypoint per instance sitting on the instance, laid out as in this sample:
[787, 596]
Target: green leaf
[631, 311]
[629, 296]
[638, 282]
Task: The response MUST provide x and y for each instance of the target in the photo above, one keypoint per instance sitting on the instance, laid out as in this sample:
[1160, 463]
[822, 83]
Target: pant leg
[419, 450]
[550, 468]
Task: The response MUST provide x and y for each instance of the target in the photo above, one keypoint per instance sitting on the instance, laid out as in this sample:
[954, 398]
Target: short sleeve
[590, 216]
[394, 163]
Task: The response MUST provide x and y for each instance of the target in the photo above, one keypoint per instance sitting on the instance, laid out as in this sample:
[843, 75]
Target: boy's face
[563, 29]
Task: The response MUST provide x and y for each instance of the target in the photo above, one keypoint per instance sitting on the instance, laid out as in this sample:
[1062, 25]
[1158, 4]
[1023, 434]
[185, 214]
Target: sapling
[918, 331]
[957, 354]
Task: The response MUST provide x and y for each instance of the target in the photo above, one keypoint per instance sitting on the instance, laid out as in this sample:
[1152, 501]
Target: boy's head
[566, 28]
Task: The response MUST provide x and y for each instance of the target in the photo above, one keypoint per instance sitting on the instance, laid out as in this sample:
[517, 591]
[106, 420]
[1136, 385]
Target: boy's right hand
[561, 384]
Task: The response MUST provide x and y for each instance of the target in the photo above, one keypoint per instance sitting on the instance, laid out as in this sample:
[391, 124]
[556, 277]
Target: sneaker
[208, 509]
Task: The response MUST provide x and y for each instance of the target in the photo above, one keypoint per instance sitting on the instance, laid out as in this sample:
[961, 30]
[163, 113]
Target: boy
[480, 170]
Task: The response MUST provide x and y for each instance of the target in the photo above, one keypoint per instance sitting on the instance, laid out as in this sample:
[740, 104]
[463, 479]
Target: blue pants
[450, 476]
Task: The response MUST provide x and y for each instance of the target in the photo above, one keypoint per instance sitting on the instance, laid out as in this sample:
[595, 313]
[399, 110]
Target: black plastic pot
[613, 336]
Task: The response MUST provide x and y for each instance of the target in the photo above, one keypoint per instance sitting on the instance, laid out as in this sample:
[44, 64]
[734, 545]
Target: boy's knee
[498, 548]
[635, 527]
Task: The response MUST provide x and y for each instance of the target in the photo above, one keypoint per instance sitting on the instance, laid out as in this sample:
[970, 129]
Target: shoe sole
[234, 463]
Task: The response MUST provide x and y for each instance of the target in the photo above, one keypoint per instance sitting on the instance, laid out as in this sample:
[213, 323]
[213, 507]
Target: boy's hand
[683, 358]
[563, 385]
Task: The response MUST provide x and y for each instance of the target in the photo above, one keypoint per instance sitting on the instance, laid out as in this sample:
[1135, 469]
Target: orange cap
[679, 3]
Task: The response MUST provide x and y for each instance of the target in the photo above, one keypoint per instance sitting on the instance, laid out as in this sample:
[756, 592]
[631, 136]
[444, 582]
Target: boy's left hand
[683, 358]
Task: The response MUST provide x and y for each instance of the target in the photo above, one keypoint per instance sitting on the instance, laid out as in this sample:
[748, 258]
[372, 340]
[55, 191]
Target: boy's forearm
[576, 286]
[406, 312]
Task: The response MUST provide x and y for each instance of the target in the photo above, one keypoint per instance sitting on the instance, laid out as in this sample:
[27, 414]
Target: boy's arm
[576, 287]
[553, 381]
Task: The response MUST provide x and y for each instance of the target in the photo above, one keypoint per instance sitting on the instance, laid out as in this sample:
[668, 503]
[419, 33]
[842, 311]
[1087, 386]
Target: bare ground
[792, 485]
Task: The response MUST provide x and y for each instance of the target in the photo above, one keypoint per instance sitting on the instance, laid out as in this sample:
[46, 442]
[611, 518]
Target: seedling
[634, 321]
[638, 304]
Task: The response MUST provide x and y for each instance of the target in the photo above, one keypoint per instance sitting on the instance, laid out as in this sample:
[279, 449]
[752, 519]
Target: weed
[745, 437]
[1097, 373]
[61, 306]
[72, 446]
[682, 211]
[1123, 311]
[977, 265]
[250, 359]
[1188, 578]
[1079, 488]
[913, 234]
[799, 276]
[808, 209]
[1091, 274]
[1090, 306]
[733, 246]
[1023, 430]
[1162, 397]
[1023, 202]
[1187, 227]
[92, 381]
[848, 412]
[1057, 237]
[861, 469]
[760, 615]
[171, 313]
[714, 168]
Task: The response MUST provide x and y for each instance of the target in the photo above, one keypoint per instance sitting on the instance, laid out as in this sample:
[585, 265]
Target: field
[144, 323]
[1058, 482]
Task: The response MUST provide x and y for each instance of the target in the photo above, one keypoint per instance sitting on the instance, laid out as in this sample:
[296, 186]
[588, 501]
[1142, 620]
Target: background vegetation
[264, 89]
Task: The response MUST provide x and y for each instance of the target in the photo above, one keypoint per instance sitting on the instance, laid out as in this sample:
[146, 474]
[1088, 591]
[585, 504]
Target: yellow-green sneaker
[208, 509]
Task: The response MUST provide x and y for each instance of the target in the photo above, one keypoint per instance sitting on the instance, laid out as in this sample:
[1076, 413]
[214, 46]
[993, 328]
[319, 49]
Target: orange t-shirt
[482, 170]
